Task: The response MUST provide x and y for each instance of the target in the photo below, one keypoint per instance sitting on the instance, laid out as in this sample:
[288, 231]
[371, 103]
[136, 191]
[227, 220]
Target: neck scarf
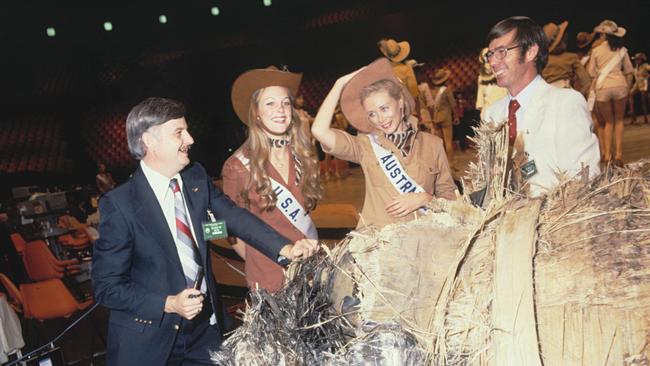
[279, 143]
[286, 142]
[402, 140]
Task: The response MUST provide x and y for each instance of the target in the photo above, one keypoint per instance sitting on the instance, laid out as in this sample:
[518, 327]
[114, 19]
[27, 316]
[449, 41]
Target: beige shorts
[613, 93]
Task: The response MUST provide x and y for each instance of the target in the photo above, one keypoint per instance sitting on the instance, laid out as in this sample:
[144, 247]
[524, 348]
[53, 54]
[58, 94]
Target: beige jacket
[426, 164]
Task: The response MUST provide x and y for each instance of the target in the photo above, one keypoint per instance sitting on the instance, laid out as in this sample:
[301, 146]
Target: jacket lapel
[152, 219]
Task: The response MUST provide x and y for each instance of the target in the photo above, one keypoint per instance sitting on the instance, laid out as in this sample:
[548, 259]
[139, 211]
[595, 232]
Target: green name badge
[214, 230]
[529, 169]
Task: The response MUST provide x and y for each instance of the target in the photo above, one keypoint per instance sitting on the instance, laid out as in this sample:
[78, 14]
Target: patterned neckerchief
[402, 140]
[286, 142]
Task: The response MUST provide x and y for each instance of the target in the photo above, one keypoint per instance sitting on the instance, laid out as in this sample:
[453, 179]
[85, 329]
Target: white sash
[613, 62]
[288, 205]
[394, 171]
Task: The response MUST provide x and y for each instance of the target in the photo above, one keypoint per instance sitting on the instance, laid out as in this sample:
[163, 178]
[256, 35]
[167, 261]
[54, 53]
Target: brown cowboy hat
[252, 80]
[395, 51]
[440, 76]
[554, 33]
[351, 105]
[610, 27]
[583, 39]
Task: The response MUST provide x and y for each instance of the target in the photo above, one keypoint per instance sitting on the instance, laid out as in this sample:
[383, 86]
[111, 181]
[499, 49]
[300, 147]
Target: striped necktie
[185, 244]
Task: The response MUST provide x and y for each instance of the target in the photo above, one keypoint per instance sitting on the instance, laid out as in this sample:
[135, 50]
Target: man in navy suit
[152, 248]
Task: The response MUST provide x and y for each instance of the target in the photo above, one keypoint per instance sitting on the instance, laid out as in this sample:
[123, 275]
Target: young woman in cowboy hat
[275, 173]
[404, 168]
[611, 69]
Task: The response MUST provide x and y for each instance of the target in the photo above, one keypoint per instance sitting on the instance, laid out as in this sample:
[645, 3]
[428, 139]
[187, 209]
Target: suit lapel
[152, 219]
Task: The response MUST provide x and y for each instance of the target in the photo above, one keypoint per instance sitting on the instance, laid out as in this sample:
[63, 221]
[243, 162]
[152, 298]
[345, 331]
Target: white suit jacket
[556, 128]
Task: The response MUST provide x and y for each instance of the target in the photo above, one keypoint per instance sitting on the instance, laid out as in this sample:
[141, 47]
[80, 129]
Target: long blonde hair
[258, 153]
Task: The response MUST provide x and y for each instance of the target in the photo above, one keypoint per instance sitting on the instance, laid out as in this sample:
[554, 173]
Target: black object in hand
[197, 283]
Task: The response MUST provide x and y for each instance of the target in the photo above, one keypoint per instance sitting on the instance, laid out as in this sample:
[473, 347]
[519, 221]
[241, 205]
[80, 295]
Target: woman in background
[612, 70]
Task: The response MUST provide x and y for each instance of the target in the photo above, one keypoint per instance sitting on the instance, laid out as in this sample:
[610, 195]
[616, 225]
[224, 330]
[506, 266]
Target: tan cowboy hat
[641, 56]
[252, 80]
[554, 33]
[609, 27]
[583, 39]
[351, 105]
[395, 51]
[440, 76]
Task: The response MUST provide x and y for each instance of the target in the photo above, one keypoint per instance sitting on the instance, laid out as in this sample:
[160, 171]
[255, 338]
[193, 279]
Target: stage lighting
[266, 2]
[162, 19]
[51, 32]
[108, 26]
[214, 11]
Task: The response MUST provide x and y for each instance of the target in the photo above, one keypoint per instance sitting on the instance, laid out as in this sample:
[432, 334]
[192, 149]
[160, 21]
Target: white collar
[526, 93]
[158, 182]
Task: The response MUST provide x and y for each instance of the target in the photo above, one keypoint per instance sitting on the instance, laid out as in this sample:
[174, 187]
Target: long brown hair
[258, 153]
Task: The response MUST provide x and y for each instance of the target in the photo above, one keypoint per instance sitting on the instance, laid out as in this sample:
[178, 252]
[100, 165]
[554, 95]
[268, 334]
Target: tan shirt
[426, 164]
[444, 105]
[260, 270]
[600, 56]
[405, 73]
[564, 67]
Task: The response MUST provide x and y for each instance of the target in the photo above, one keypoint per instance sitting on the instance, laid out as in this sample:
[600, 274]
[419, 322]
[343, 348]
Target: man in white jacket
[553, 124]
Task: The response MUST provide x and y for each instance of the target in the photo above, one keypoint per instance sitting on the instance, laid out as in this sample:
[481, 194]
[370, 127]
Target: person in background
[640, 87]
[563, 67]
[487, 91]
[549, 127]
[104, 179]
[585, 43]
[151, 266]
[444, 112]
[424, 101]
[397, 52]
[275, 173]
[612, 70]
[404, 168]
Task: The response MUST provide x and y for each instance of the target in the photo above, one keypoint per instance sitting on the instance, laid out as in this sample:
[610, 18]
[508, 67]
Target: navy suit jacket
[136, 265]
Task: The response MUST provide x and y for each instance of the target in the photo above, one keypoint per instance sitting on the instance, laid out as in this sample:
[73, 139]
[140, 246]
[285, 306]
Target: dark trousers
[196, 340]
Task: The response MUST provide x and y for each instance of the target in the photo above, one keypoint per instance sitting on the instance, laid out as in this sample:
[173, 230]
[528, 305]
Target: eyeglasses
[500, 53]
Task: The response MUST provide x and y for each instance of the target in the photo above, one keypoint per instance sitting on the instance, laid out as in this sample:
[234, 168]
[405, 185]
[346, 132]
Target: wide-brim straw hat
[554, 33]
[395, 51]
[252, 80]
[351, 105]
[610, 27]
[583, 39]
[440, 76]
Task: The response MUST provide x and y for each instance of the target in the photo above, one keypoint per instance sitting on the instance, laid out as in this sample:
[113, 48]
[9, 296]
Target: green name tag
[214, 230]
[529, 169]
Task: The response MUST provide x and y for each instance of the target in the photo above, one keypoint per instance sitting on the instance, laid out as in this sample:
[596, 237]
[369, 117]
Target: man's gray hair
[150, 112]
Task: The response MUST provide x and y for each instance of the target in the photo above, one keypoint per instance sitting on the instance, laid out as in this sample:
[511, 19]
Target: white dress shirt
[160, 186]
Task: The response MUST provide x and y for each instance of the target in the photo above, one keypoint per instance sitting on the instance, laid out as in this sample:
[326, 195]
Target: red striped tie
[185, 244]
